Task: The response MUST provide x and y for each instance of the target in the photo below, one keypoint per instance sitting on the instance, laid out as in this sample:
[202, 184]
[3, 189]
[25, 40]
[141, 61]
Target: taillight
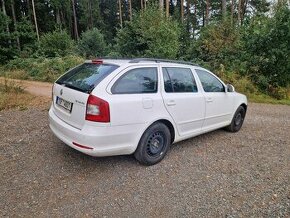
[98, 110]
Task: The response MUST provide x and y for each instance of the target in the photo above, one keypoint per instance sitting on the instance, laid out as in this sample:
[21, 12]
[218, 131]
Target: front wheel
[153, 145]
[237, 120]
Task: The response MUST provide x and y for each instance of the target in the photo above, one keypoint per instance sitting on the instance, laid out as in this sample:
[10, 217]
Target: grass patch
[262, 98]
[13, 96]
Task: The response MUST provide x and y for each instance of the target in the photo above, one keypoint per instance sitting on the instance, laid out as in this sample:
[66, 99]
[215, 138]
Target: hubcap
[238, 119]
[155, 144]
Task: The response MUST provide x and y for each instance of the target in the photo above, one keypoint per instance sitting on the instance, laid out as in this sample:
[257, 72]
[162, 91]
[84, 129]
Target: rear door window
[86, 76]
[139, 80]
[178, 80]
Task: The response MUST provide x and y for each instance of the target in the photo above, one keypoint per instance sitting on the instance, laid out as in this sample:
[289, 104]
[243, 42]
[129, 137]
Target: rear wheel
[237, 120]
[153, 145]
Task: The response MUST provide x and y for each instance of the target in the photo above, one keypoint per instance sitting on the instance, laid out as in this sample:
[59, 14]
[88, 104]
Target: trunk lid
[71, 91]
[70, 105]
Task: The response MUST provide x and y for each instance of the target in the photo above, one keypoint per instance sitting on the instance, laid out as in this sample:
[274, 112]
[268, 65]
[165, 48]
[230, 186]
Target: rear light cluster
[98, 110]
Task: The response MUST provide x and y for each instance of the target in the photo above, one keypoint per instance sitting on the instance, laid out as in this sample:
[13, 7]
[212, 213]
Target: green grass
[262, 98]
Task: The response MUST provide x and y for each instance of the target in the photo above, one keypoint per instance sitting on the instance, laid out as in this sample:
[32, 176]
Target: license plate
[64, 104]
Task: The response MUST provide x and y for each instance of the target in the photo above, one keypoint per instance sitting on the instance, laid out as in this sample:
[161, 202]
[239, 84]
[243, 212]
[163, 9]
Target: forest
[245, 42]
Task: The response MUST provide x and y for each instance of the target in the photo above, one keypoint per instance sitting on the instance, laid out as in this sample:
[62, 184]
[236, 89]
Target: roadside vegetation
[246, 43]
[12, 95]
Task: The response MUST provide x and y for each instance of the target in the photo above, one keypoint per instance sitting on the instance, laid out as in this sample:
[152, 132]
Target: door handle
[171, 103]
[209, 100]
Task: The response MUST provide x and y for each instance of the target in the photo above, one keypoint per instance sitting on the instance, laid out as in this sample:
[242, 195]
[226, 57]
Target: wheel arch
[169, 126]
[244, 106]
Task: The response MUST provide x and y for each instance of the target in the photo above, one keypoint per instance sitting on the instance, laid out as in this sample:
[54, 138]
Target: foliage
[44, 69]
[56, 43]
[267, 50]
[252, 52]
[218, 43]
[7, 49]
[92, 44]
[150, 34]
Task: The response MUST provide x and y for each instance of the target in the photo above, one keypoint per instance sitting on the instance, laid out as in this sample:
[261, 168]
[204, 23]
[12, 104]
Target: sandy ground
[32, 87]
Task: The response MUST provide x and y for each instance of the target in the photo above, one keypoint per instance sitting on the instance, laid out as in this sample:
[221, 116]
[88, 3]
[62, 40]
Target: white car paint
[190, 114]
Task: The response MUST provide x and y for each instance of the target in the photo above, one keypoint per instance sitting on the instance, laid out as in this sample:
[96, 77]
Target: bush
[150, 34]
[266, 48]
[55, 44]
[217, 44]
[92, 44]
[44, 69]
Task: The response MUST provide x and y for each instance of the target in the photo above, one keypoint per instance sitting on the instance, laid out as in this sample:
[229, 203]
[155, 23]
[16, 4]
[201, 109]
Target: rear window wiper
[73, 87]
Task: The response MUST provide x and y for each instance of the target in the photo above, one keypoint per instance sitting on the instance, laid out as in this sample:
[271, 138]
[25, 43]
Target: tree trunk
[161, 5]
[207, 12]
[29, 14]
[224, 9]
[188, 8]
[57, 17]
[15, 23]
[120, 13]
[239, 12]
[232, 11]
[7, 24]
[141, 4]
[91, 14]
[130, 9]
[35, 19]
[75, 21]
[167, 7]
[244, 8]
[182, 10]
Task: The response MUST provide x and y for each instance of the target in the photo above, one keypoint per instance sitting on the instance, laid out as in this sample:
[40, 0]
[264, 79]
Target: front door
[218, 108]
[182, 99]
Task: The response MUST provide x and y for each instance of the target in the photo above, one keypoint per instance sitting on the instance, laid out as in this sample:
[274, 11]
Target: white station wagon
[140, 106]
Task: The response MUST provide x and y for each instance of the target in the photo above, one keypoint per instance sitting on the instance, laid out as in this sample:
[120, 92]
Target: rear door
[182, 99]
[134, 95]
[71, 91]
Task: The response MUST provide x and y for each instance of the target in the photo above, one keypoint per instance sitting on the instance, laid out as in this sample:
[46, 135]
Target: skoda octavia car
[140, 106]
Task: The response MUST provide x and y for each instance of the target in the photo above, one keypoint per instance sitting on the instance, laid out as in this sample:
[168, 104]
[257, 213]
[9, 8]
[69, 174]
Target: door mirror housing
[230, 88]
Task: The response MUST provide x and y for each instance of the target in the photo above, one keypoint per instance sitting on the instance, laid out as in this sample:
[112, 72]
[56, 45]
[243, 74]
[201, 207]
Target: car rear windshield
[86, 77]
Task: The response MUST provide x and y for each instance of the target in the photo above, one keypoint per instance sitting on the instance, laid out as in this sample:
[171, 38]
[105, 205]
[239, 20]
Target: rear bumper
[104, 140]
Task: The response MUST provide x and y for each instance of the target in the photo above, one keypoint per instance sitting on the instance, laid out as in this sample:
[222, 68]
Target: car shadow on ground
[85, 161]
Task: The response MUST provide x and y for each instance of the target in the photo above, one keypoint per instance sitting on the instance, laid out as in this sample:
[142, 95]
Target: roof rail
[157, 60]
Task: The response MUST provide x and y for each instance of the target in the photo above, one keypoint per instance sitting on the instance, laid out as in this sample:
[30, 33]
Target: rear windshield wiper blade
[73, 87]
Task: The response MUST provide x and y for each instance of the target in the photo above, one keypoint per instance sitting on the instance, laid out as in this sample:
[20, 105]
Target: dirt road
[33, 87]
[218, 174]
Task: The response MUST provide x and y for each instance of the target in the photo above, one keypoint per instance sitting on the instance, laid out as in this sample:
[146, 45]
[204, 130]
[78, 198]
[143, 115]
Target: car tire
[153, 145]
[237, 120]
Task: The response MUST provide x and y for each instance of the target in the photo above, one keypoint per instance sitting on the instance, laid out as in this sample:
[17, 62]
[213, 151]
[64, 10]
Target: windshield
[86, 77]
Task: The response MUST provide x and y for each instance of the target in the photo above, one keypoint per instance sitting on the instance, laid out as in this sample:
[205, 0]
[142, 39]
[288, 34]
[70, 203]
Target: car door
[219, 103]
[182, 99]
[134, 95]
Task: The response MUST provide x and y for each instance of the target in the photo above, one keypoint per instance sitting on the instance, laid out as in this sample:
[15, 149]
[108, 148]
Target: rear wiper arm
[73, 87]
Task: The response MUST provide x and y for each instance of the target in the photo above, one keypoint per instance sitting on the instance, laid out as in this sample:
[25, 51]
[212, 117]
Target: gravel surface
[216, 174]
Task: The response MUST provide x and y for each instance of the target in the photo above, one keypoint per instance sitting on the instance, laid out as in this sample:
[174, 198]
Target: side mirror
[230, 88]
